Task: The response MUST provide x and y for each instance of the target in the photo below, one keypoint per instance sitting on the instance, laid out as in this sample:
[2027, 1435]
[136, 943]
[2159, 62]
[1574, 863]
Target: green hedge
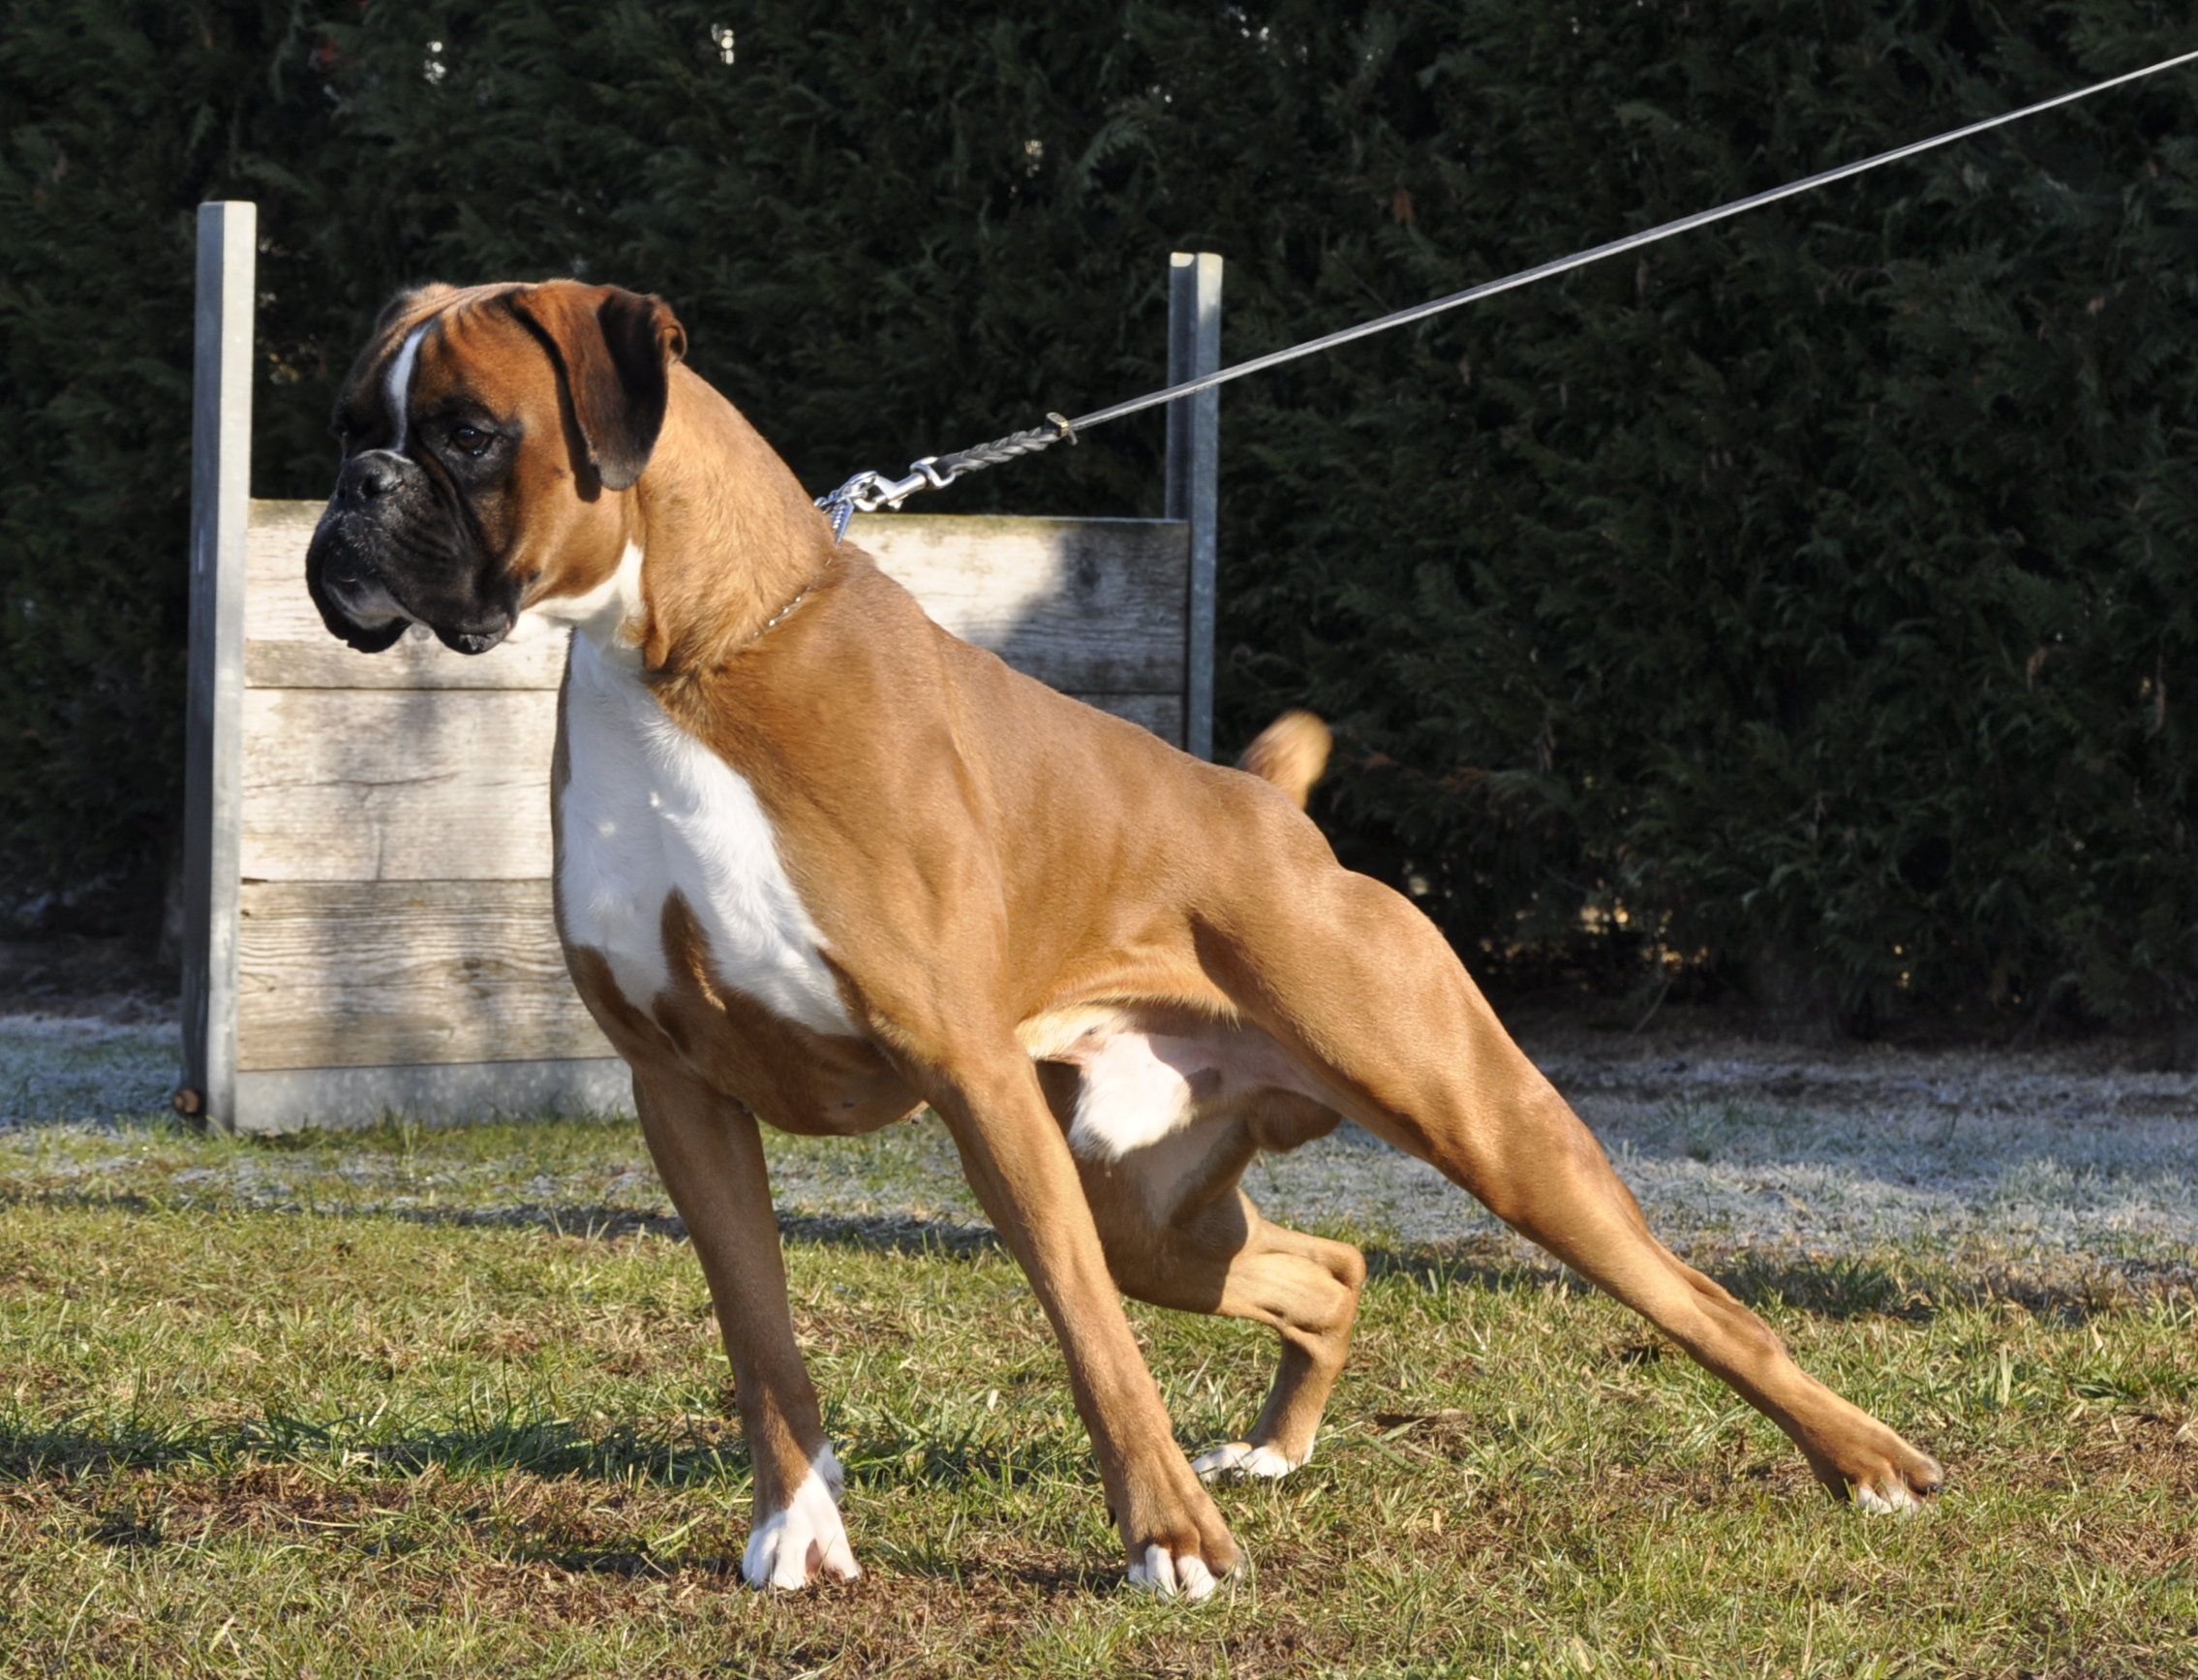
[1809, 601]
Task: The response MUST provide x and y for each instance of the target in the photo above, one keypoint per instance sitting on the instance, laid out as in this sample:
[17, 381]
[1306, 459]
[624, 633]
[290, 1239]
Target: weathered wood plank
[1083, 604]
[1194, 472]
[397, 784]
[220, 488]
[283, 1099]
[362, 974]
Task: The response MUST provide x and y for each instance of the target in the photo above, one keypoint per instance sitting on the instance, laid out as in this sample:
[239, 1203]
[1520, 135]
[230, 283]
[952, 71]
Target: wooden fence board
[396, 785]
[364, 973]
[1194, 471]
[220, 518]
[280, 1099]
[1089, 606]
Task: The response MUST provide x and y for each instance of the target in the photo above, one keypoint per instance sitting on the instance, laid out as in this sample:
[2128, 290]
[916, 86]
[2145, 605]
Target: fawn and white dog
[819, 864]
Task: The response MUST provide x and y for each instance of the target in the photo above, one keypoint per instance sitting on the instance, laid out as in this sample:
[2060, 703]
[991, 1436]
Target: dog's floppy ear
[614, 349]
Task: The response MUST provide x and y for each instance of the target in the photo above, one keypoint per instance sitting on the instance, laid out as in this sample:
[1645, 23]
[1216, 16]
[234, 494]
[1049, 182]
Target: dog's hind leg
[1178, 1233]
[1366, 993]
[711, 1158]
[1307, 1287]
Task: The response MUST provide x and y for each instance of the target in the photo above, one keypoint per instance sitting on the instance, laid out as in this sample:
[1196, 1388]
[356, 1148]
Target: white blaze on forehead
[399, 388]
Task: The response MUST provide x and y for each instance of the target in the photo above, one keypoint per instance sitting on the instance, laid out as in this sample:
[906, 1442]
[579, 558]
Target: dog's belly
[1151, 1077]
[669, 874]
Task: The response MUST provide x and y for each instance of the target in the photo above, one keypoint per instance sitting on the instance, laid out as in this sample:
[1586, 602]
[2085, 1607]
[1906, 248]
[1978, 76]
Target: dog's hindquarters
[1363, 991]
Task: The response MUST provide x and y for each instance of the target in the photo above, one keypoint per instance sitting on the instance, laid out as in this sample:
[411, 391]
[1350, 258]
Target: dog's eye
[470, 439]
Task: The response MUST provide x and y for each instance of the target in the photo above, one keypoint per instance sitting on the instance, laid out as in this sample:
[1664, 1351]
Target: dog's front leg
[711, 1158]
[1019, 1166]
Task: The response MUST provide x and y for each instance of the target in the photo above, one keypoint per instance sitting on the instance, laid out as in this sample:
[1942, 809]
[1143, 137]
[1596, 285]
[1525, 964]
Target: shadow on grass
[1829, 1286]
[548, 1447]
[1838, 1287]
[700, 1450]
[591, 1221]
[1835, 1287]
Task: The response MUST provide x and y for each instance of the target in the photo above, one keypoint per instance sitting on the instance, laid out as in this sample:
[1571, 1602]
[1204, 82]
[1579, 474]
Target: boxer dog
[820, 865]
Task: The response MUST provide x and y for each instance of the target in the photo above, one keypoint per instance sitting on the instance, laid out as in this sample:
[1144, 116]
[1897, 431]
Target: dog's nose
[368, 477]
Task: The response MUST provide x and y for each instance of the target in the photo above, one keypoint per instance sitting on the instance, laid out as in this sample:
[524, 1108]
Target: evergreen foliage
[1808, 601]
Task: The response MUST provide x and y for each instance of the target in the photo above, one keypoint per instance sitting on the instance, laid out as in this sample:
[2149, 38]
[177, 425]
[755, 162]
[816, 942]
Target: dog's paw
[1173, 1538]
[1896, 1492]
[1235, 1460]
[1897, 1482]
[1894, 1499]
[1171, 1575]
[804, 1540]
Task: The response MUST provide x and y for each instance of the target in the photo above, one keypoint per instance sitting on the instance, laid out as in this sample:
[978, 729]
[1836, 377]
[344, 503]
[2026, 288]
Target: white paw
[1240, 1458]
[1171, 1577]
[804, 1538]
[1893, 1497]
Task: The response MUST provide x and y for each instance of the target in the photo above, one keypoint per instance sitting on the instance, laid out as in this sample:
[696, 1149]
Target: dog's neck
[723, 542]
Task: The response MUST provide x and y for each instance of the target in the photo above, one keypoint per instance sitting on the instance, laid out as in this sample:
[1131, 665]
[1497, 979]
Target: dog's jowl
[819, 864]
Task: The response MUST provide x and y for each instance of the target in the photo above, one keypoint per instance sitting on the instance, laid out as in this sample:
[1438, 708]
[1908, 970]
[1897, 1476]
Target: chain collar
[787, 611]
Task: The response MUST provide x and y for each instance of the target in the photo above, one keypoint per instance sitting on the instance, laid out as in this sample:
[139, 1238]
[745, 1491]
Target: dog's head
[489, 435]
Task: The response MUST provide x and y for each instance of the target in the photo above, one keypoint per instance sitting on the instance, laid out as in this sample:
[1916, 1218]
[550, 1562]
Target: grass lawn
[453, 1403]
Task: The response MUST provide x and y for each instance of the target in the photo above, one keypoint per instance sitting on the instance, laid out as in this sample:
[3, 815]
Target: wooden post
[221, 489]
[1194, 463]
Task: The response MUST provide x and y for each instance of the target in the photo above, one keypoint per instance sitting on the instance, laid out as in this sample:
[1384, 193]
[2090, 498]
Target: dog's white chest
[648, 811]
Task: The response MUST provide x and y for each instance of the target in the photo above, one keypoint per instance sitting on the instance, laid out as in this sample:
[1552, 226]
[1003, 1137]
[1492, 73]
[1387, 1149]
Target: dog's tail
[1291, 753]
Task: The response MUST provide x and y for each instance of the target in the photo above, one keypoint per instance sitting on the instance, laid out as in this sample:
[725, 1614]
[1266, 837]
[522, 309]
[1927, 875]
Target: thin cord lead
[1615, 248]
[869, 491]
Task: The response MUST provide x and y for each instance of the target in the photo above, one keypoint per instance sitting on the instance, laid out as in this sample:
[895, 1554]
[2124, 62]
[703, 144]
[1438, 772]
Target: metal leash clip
[868, 492]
